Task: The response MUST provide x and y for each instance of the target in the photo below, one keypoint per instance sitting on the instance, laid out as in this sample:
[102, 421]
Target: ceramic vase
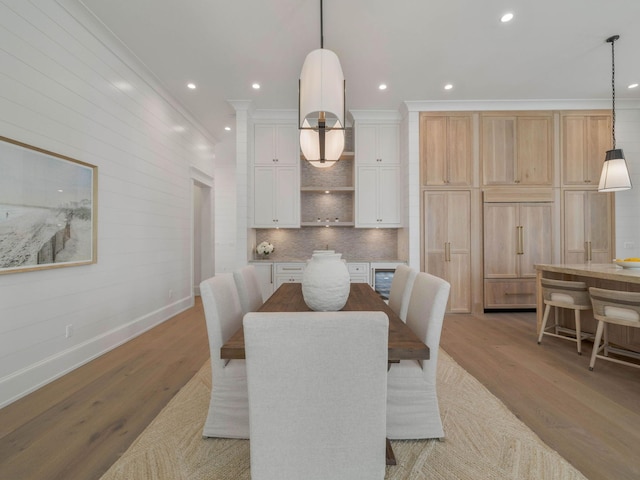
[326, 282]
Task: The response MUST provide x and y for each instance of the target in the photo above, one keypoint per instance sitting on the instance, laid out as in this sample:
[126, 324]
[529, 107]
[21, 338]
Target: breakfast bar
[609, 276]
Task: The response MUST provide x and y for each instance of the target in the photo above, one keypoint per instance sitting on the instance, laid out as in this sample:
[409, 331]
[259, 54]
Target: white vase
[326, 282]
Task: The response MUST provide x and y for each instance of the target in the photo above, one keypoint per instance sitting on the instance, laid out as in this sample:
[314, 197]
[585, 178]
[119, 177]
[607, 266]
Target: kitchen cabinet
[377, 144]
[517, 148]
[516, 236]
[585, 139]
[378, 196]
[289, 272]
[276, 197]
[264, 272]
[446, 149]
[447, 236]
[276, 144]
[358, 272]
[588, 226]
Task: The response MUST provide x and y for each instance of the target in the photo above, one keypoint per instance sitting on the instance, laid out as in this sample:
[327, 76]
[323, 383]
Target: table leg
[391, 458]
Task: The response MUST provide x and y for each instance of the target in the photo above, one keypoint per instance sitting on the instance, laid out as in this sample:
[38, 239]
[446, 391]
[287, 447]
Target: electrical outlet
[629, 245]
[68, 333]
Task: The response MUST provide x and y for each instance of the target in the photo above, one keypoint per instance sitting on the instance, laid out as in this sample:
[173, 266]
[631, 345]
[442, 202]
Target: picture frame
[48, 209]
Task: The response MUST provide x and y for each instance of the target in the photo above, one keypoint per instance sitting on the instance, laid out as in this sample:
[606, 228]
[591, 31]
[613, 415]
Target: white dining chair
[412, 400]
[248, 287]
[400, 292]
[228, 415]
[317, 390]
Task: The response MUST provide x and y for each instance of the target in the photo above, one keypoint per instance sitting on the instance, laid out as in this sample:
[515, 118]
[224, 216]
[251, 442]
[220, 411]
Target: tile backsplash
[367, 244]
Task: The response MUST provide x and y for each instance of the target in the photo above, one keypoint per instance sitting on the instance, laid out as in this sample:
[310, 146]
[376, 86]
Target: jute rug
[484, 441]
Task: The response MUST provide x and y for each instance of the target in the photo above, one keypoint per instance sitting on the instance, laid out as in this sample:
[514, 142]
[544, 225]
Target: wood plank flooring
[77, 426]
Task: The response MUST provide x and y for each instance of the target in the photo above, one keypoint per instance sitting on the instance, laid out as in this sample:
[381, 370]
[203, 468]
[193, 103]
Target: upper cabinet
[446, 149]
[276, 176]
[377, 144]
[517, 148]
[276, 145]
[377, 175]
[586, 136]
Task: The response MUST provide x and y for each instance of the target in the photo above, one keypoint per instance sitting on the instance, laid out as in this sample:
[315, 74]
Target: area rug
[484, 440]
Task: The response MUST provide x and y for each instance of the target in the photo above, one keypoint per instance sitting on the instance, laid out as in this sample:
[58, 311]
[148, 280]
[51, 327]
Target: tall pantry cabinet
[522, 186]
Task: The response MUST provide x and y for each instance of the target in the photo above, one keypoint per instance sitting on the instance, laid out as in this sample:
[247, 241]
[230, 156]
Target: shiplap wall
[66, 86]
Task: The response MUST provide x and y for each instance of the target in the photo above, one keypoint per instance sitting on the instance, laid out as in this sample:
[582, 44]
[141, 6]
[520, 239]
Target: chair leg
[545, 317]
[606, 340]
[578, 332]
[596, 344]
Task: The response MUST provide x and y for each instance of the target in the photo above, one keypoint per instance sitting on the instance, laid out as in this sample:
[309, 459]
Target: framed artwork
[48, 206]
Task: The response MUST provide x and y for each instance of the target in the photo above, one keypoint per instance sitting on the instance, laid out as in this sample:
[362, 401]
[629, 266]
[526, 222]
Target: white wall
[73, 91]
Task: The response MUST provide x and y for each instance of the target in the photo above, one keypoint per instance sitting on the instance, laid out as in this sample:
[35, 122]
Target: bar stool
[619, 308]
[564, 294]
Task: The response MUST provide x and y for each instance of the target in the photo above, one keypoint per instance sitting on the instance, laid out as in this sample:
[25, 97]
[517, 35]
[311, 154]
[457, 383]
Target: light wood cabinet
[378, 197]
[377, 144]
[447, 234]
[585, 139]
[516, 236]
[276, 144]
[517, 149]
[588, 226]
[446, 149]
[276, 197]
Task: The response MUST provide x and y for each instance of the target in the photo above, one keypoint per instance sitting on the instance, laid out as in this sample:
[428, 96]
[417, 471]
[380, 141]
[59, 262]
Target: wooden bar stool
[619, 308]
[564, 294]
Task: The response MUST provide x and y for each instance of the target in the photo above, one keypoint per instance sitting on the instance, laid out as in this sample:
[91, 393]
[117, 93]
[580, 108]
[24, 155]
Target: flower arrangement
[264, 248]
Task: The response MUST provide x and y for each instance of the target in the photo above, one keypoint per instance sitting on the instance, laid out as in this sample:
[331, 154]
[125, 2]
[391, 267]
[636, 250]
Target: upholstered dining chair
[400, 292]
[317, 390]
[248, 287]
[229, 405]
[569, 295]
[618, 308]
[412, 400]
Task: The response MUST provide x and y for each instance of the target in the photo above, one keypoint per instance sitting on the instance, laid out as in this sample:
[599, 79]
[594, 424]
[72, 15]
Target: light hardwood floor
[77, 426]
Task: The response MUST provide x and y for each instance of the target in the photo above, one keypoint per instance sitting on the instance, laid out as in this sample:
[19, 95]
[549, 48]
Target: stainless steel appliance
[382, 276]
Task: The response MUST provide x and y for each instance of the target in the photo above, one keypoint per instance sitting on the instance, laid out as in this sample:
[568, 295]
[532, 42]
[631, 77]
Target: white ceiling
[553, 49]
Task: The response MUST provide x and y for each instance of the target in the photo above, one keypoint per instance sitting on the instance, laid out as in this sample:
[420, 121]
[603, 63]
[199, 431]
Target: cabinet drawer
[358, 268]
[289, 268]
[510, 293]
[357, 278]
[293, 278]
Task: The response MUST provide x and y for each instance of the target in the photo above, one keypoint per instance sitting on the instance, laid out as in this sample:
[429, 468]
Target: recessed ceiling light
[448, 86]
[228, 129]
[178, 128]
[507, 17]
[382, 86]
[256, 86]
[633, 85]
[192, 86]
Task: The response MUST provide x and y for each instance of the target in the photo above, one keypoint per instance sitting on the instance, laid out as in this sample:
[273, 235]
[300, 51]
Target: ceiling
[550, 50]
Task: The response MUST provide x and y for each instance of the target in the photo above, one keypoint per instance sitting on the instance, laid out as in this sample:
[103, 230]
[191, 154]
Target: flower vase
[326, 282]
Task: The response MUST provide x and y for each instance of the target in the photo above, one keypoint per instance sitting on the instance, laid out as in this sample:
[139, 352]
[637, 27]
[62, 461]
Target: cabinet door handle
[589, 257]
[520, 240]
[447, 252]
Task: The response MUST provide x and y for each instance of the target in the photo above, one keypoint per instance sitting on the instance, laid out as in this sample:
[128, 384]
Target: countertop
[304, 260]
[605, 271]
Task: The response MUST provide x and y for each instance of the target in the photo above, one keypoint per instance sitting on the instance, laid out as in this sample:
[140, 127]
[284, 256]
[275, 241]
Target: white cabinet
[276, 197]
[276, 145]
[377, 144]
[378, 197]
[359, 272]
[288, 273]
[264, 271]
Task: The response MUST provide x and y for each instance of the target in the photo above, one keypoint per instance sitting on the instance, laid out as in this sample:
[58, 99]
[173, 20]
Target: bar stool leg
[545, 317]
[578, 331]
[596, 344]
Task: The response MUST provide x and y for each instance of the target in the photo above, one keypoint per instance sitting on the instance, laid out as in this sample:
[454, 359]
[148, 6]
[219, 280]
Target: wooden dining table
[403, 343]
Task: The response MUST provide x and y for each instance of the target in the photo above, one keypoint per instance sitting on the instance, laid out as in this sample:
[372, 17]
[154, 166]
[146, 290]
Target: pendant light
[615, 174]
[321, 106]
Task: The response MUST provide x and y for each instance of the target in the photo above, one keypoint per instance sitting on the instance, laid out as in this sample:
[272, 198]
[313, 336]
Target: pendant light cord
[321, 27]
[613, 89]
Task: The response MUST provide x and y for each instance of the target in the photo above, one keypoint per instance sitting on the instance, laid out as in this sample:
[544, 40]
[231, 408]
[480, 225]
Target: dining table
[403, 344]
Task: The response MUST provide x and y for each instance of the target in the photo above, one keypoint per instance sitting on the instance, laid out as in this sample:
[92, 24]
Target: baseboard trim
[29, 379]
